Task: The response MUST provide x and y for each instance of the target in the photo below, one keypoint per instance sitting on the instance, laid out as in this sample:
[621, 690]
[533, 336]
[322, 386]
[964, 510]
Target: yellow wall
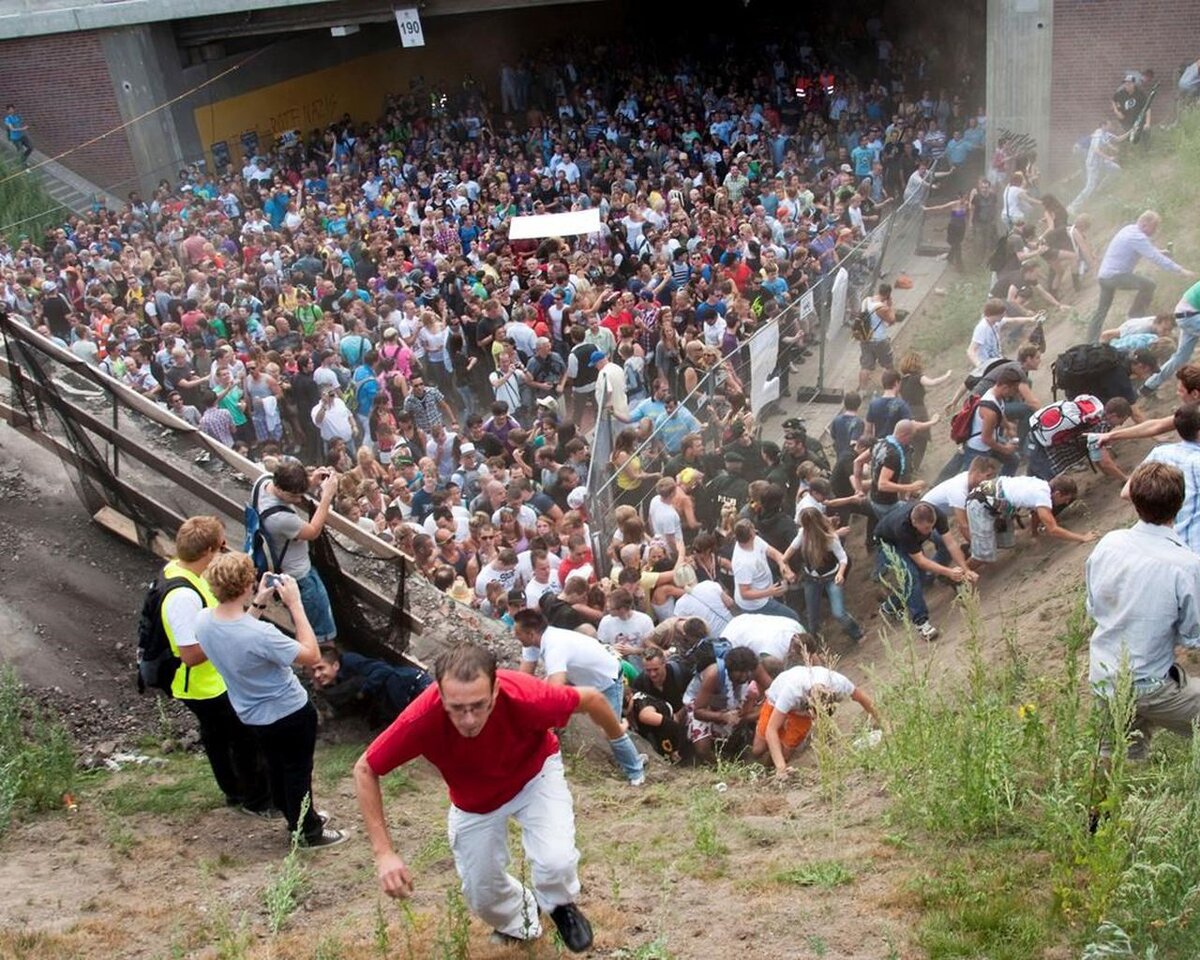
[454, 45]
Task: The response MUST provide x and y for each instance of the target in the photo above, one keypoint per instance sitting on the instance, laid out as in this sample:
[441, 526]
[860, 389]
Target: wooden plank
[165, 516]
[116, 522]
[148, 408]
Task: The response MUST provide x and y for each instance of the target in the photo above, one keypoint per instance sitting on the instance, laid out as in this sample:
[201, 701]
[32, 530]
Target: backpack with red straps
[962, 424]
[1066, 421]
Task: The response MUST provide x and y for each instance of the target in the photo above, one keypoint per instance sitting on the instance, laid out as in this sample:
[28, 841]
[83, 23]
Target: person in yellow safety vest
[231, 748]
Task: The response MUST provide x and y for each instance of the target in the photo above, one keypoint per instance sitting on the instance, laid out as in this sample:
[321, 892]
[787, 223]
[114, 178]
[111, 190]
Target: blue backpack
[258, 544]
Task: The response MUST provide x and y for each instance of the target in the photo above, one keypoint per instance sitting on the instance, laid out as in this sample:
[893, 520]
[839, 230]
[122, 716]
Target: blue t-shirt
[254, 658]
[11, 121]
[862, 158]
[885, 412]
[844, 430]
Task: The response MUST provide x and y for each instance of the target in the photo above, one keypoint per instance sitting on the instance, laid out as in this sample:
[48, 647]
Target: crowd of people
[348, 309]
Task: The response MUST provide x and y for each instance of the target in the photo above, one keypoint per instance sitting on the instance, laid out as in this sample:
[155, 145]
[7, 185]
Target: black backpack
[1000, 255]
[1077, 368]
[156, 663]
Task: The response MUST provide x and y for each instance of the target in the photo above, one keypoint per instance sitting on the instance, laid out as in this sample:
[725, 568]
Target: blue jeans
[774, 608]
[623, 749]
[316, 605]
[813, 589]
[910, 588]
[1189, 336]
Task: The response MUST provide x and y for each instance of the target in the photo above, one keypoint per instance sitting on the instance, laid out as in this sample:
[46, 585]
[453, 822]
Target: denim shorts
[316, 606]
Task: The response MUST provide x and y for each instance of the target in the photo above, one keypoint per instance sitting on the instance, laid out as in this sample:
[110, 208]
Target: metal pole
[116, 418]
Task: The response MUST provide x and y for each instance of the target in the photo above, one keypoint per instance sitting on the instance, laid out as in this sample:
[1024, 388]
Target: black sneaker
[326, 838]
[573, 927]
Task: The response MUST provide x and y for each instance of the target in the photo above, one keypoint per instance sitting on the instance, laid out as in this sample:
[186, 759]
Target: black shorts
[875, 352]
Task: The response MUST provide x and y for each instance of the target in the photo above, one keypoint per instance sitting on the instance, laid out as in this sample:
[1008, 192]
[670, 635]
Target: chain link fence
[807, 340]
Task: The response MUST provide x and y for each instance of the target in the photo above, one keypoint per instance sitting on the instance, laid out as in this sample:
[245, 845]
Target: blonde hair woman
[255, 658]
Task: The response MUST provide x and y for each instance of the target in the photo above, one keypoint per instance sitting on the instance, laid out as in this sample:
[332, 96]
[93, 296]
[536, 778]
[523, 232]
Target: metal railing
[822, 316]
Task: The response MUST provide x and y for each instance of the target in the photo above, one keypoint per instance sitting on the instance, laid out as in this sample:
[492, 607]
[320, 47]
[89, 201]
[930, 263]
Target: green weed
[654, 950]
[704, 813]
[821, 873]
[454, 928]
[37, 759]
[282, 895]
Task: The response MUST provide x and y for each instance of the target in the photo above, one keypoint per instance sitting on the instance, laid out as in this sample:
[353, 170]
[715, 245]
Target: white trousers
[479, 842]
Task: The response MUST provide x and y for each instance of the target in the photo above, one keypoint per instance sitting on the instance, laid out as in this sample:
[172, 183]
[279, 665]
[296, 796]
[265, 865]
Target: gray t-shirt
[254, 658]
[281, 530]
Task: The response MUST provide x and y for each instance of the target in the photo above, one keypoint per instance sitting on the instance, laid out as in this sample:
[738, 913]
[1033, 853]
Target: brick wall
[61, 86]
[1095, 42]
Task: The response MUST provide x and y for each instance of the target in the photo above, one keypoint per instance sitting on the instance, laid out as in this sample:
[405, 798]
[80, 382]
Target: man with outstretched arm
[490, 733]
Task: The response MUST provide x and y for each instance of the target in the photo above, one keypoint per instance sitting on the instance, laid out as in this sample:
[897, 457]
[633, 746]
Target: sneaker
[263, 813]
[888, 613]
[499, 938]
[927, 631]
[326, 838]
[573, 927]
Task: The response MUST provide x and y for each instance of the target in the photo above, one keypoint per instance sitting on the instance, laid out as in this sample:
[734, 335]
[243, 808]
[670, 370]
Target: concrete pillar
[143, 63]
[1020, 36]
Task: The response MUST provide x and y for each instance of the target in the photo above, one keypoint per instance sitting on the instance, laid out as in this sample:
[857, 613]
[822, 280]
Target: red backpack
[963, 422]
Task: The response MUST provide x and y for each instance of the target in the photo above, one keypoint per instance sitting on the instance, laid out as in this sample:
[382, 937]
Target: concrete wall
[1095, 43]
[311, 79]
[61, 86]
[1019, 64]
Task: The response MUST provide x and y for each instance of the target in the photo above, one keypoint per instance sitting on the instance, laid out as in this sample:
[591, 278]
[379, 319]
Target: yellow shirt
[201, 682]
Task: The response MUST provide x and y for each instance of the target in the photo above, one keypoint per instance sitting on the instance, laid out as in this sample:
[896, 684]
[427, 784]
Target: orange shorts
[795, 729]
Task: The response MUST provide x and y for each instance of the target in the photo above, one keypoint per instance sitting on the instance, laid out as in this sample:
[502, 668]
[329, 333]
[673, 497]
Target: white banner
[409, 22]
[539, 225]
[807, 307]
[837, 307]
[764, 351]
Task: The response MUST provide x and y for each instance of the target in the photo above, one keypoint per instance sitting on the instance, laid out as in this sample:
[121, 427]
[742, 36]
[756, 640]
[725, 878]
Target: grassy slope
[963, 836]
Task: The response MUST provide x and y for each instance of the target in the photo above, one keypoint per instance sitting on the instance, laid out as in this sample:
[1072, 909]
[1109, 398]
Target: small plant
[37, 760]
[383, 939]
[454, 932]
[232, 943]
[821, 873]
[654, 950]
[703, 817]
[282, 896]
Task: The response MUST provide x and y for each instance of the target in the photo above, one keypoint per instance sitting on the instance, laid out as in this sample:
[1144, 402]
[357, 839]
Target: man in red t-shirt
[490, 734]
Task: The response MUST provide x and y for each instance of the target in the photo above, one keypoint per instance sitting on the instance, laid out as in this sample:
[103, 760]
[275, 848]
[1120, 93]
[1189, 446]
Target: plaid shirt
[426, 410]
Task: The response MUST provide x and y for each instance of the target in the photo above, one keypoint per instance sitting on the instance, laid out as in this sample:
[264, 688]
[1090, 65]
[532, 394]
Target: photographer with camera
[288, 534]
[255, 658]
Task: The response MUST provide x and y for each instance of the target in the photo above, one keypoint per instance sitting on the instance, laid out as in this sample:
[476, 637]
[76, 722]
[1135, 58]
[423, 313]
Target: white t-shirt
[949, 495]
[751, 569]
[508, 579]
[986, 341]
[664, 520]
[526, 516]
[534, 591]
[806, 501]
[182, 607]
[706, 601]
[764, 634]
[1026, 493]
[789, 691]
[613, 629]
[525, 565]
[585, 662]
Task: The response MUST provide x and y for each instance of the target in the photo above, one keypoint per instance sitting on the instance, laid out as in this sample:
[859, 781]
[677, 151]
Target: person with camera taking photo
[287, 533]
[255, 658]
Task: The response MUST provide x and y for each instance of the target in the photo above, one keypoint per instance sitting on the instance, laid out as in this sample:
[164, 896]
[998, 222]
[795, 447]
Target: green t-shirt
[1192, 297]
[231, 402]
